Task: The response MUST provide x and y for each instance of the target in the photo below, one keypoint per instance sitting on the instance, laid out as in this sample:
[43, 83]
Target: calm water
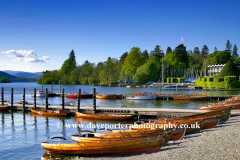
[21, 134]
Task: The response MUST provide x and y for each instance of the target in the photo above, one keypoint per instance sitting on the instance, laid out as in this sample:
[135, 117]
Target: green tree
[145, 56]
[205, 51]
[5, 80]
[169, 50]
[234, 53]
[72, 56]
[86, 72]
[196, 51]
[228, 47]
[230, 69]
[182, 54]
[158, 52]
[133, 60]
[123, 56]
[173, 60]
[69, 64]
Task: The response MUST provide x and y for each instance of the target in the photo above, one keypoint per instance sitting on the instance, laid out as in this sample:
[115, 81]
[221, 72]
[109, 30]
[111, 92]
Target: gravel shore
[222, 142]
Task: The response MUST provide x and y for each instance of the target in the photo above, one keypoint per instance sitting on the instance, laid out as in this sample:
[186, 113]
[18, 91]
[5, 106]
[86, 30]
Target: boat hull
[48, 113]
[103, 116]
[106, 96]
[132, 146]
[5, 108]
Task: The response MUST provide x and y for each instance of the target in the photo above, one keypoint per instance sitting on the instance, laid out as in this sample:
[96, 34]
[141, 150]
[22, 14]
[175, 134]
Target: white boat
[177, 85]
[141, 96]
[42, 94]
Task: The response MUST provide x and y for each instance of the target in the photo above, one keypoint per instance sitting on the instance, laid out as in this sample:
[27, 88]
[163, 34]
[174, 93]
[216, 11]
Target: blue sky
[37, 35]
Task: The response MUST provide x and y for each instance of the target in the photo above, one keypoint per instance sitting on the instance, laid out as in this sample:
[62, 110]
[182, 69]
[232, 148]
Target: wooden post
[23, 99]
[11, 98]
[2, 96]
[51, 89]
[79, 98]
[46, 98]
[42, 87]
[63, 98]
[94, 99]
[34, 99]
[60, 88]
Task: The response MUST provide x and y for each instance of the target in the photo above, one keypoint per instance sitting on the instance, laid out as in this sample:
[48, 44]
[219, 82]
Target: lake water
[21, 134]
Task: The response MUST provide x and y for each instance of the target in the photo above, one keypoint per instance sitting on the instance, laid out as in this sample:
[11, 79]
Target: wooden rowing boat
[84, 94]
[106, 96]
[119, 117]
[138, 145]
[5, 108]
[176, 133]
[118, 136]
[50, 112]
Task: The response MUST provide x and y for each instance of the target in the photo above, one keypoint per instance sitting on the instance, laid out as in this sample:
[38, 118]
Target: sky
[38, 35]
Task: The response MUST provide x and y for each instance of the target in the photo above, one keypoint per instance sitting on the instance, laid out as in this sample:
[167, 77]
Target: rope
[156, 140]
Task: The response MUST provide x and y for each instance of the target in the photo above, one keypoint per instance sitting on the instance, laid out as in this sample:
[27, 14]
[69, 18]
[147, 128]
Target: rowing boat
[5, 108]
[145, 144]
[106, 96]
[104, 116]
[50, 112]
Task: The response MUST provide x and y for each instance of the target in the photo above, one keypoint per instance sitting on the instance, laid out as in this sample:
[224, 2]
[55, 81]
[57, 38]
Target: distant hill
[36, 75]
[27, 75]
[15, 78]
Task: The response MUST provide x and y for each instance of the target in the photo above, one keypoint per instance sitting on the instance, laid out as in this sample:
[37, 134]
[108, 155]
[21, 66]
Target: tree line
[138, 66]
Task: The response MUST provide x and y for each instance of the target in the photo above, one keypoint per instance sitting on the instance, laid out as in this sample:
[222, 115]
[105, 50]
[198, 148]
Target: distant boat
[106, 96]
[141, 96]
[42, 94]
[118, 117]
[84, 94]
[177, 85]
[49, 112]
[4, 108]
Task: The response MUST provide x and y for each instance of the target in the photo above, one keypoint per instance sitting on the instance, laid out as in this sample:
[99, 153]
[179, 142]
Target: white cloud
[182, 39]
[25, 55]
[15, 65]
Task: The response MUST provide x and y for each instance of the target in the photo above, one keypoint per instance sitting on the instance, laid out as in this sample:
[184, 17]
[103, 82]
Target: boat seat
[175, 94]
[184, 94]
[166, 93]
[193, 94]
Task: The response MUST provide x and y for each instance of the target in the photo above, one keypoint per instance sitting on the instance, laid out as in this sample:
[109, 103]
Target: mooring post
[42, 87]
[94, 99]
[79, 98]
[23, 99]
[63, 98]
[11, 98]
[34, 99]
[2, 96]
[46, 98]
[59, 88]
[51, 89]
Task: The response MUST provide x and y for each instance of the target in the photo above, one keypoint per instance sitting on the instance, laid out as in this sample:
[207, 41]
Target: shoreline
[221, 142]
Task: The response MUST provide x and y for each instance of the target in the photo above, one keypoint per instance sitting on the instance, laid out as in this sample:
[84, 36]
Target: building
[216, 69]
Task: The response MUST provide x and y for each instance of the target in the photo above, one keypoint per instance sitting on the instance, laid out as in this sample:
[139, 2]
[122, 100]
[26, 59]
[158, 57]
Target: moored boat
[144, 144]
[4, 107]
[42, 94]
[50, 112]
[106, 96]
[84, 94]
[104, 116]
[141, 96]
